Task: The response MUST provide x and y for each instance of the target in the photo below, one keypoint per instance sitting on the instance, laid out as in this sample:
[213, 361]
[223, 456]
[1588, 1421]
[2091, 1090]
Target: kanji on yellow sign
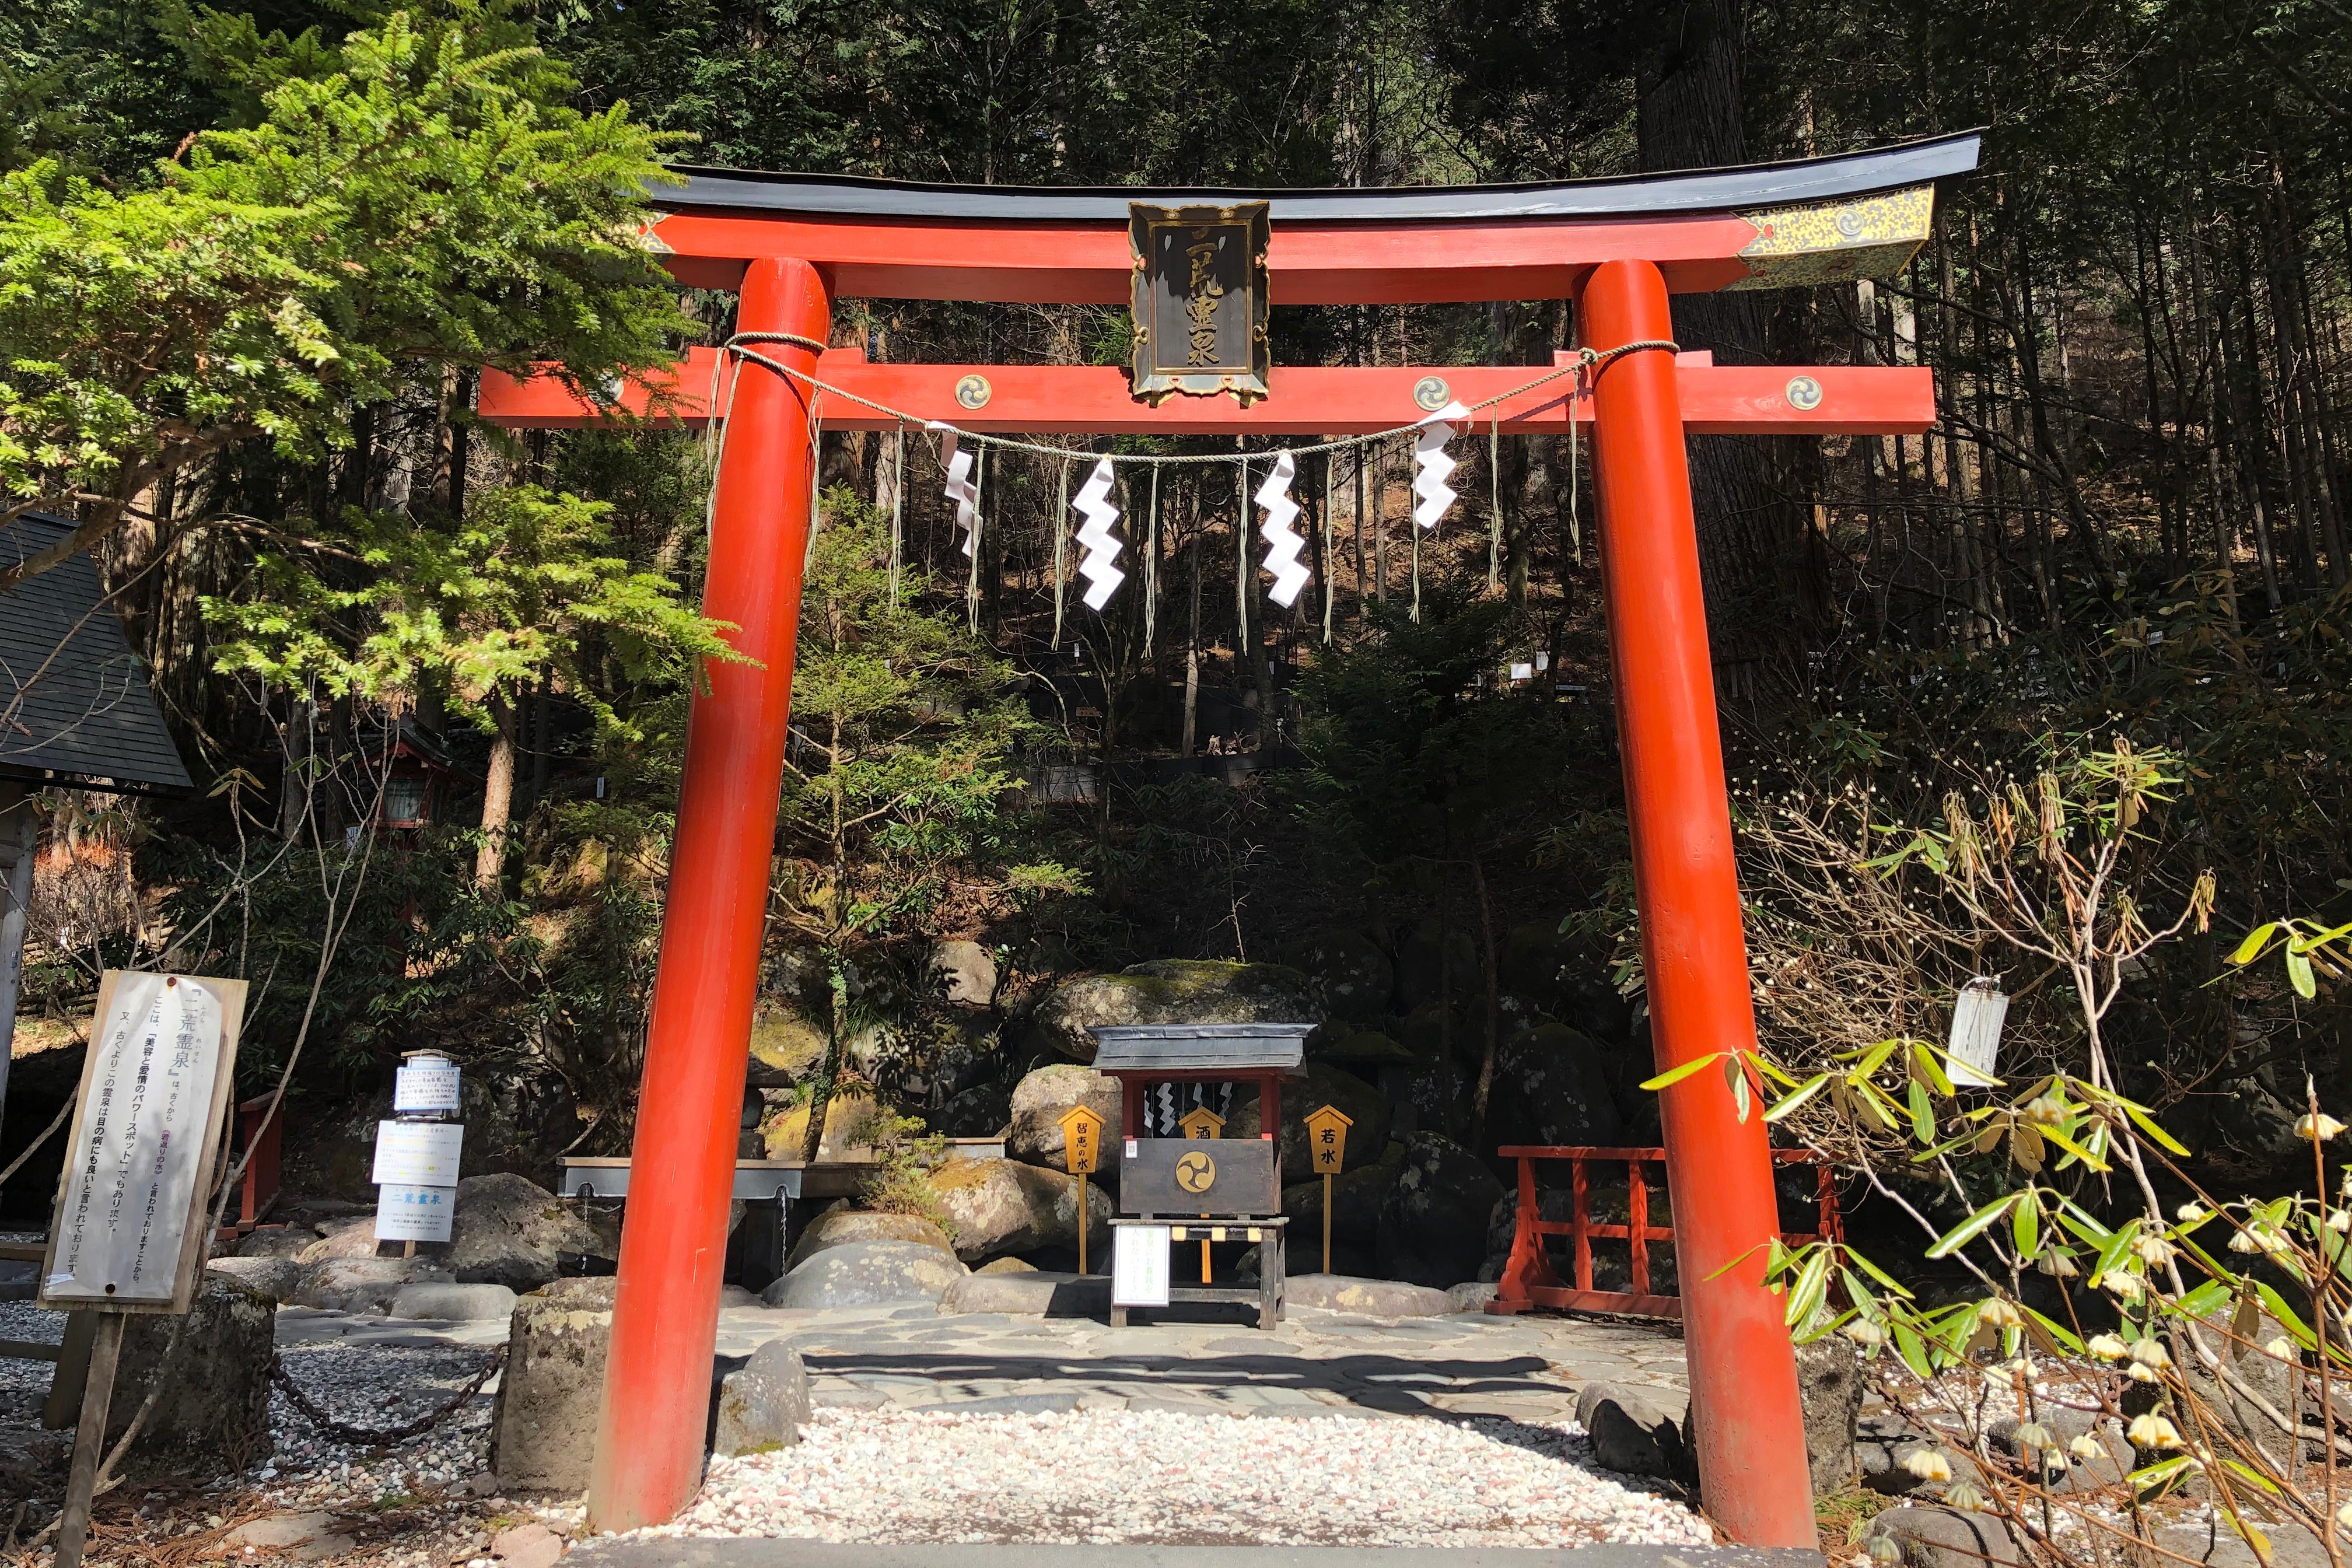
[1081, 1140]
[1327, 1137]
[1201, 1122]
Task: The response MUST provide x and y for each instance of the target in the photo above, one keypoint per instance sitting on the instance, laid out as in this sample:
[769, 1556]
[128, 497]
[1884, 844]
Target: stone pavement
[1525, 1368]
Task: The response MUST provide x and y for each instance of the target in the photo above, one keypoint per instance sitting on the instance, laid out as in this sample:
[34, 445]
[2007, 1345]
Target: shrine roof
[1743, 187]
[77, 705]
[1240, 1049]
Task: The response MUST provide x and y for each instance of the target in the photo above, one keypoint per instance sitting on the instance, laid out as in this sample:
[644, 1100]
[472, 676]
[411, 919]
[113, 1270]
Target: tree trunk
[1494, 1008]
[497, 796]
[1767, 590]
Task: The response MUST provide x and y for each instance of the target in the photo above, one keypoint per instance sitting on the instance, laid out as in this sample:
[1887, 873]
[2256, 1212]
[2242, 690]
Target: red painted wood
[1743, 1371]
[1307, 264]
[656, 1394]
[1307, 400]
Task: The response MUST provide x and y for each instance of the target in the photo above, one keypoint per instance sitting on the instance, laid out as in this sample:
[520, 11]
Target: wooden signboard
[1326, 1142]
[1201, 1122]
[1081, 1147]
[1225, 1179]
[1199, 300]
[127, 1232]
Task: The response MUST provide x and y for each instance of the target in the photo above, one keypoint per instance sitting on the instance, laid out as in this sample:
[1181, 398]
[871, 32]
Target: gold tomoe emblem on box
[1200, 299]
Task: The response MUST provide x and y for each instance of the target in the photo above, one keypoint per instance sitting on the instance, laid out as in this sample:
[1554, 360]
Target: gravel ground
[1181, 1479]
[376, 1387]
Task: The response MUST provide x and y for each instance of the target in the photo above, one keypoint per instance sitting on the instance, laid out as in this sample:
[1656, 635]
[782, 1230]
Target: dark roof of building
[75, 702]
[1744, 188]
[1240, 1049]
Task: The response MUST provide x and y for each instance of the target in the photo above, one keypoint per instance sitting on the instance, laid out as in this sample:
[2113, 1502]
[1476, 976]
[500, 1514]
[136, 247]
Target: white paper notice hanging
[153, 1090]
[414, 1214]
[425, 1083]
[1138, 1267]
[417, 1153]
[1432, 466]
[1283, 542]
[1977, 1013]
[1093, 503]
[961, 487]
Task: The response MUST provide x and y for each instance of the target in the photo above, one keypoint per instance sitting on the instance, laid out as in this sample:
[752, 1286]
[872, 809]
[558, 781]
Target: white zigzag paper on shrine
[1093, 503]
[961, 489]
[1431, 466]
[1283, 542]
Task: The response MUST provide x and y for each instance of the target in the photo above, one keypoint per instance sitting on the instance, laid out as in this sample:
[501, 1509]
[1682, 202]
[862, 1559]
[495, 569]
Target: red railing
[261, 1168]
[1527, 1278]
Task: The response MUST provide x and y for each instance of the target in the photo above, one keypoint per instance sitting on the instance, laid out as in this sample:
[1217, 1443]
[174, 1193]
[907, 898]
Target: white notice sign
[152, 1092]
[1139, 1272]
[417, 1153]
[427, 1083]
[414, 1214]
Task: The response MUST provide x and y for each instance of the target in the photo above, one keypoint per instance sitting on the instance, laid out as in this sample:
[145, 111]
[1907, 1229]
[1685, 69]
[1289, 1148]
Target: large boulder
[1630, 1434]
[1039, 1101]
[363, 1284]
[1349, 971]
[1434, 962]
[543, 1425]
[1536, 961]
[1368, 1297]
[1174, 990]
[961, 972]
[213, 1418]
[762, 1403]
[839, 1227]
[983, 1111]
[1356, 1199]
[1551, 1085]
[867, 1274]
[276, 1277]
[786, 1048]
[1925, 1537]
[454, 1303]
[517, 1120]
[848, 1121]
[1829, 1388]
[512, 1232]
[1003, 1206]
[1366, 1107]
[1433, 1225]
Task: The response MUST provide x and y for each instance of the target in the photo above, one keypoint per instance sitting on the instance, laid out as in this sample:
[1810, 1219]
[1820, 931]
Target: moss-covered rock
[1364, 1106]
[1349, 971]
[786, 1049]
[839, 1227]
[1002, 1205]
[1039, 1101]
[1356, 1200]
[1551, 1085]
[1174, 990]
[1433, 1223]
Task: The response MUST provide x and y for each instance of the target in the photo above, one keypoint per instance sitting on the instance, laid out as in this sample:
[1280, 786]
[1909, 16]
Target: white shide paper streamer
[1283, 542]
[1431, 466]
[1094, 504]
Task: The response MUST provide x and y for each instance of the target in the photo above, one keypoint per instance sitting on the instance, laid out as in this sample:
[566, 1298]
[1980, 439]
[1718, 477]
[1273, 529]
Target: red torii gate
[791, 243]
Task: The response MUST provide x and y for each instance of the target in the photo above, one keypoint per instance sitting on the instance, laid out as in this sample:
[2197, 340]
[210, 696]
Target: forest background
[250, 263]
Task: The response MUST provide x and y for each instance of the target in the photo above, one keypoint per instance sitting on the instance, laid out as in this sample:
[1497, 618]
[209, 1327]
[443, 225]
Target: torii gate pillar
[656, 1398]
[1751, 1436]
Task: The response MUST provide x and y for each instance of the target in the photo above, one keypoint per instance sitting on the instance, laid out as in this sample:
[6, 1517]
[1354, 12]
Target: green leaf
[1875, 1272]
[1968, 1229]
[2156, 1475]
[2298, 973]
[1811, 1287]
[2147, 1125]
[1735, 1076]
[2025, 1224]
[1923, 1114]
[2204, 1301]
[2252, 948]
[2276, 1305]
[1913, 1351]
[1675, 1074]
[1788, 1104]
[2067, 1340]
[1924, 1056]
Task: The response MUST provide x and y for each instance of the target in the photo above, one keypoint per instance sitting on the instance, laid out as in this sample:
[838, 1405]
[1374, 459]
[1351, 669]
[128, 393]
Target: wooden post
[1327, 1224]
[1327, 1149]
[90, 1441]
[1203, 1122]
[1081, 1147]
[63, 1406]
[1083, 1226]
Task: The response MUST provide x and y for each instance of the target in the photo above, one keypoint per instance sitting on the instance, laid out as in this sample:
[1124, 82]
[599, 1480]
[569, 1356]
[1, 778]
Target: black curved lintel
[1746, 188]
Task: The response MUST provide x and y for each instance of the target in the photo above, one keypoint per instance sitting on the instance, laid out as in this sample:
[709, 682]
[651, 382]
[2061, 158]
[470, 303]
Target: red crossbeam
[1307, 264]
[1529, 1280]
[1305, 400]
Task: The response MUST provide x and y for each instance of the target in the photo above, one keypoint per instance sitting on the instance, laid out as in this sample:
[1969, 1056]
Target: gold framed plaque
[1199, 300]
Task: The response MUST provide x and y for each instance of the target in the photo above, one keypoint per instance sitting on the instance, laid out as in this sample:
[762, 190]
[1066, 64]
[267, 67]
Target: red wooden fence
[1527, 1278]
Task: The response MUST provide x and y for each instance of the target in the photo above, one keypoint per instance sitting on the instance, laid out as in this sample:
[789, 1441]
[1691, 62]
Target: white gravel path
[1181, 1479]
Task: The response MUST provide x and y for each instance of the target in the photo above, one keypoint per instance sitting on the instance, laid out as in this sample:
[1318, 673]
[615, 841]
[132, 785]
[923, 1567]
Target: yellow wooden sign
[1326, 1139]
[1081, 1140]
[1201, 1122]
